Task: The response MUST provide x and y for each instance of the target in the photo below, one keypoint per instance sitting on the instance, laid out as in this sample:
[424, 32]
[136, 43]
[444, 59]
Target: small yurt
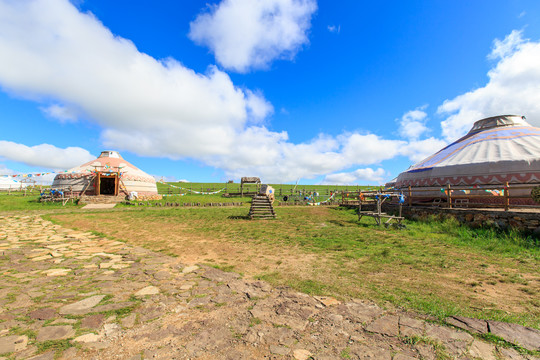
[8, 184]
[497, 150]
[109, 174]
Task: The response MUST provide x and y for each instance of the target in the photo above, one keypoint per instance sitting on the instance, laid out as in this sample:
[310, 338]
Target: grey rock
[473, 325]
[482, 350]
[13, 343]
[386, 325]
[410, 327]
[42, 314]
[81, 307]
[517, 334]
[219, 275]
[55, 333]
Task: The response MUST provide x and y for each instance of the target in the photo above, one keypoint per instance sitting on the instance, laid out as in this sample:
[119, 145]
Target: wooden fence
[479, 196]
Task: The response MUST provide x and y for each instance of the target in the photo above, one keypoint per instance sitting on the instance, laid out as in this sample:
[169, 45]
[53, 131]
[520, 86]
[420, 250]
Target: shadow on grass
[239, 217]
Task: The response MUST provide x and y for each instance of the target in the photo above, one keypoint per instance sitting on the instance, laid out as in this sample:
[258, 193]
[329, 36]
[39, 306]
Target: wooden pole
[506, 197]
[410, 196]
[449, 196]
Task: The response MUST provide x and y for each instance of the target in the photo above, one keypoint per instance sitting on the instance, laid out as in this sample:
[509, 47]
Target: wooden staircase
[261, 208]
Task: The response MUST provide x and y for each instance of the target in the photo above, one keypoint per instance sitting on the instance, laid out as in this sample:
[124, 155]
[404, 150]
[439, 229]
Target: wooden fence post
[506, 197]
[449, 196]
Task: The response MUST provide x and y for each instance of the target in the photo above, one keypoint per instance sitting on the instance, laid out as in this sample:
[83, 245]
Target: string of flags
[193, 191]
[94, 172]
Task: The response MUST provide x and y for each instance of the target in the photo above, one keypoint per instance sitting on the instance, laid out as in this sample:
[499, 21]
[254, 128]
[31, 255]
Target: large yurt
[109, 174]
[497, 150]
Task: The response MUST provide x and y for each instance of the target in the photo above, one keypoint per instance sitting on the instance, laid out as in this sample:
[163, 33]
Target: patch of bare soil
[289, 264]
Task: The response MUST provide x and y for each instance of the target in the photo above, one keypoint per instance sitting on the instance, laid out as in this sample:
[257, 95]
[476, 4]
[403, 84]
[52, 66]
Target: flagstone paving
[75, 295]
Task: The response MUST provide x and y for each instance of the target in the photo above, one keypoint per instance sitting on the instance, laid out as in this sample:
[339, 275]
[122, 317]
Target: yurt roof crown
[498, 121]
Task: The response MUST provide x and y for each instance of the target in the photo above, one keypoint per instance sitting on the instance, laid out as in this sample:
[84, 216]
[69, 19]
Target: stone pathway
[75, 295]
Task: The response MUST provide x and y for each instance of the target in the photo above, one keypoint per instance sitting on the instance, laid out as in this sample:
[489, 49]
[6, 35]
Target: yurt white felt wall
[7, 183]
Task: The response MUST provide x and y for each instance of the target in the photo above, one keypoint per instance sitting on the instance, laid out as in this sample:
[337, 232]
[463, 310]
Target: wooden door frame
[98, 182]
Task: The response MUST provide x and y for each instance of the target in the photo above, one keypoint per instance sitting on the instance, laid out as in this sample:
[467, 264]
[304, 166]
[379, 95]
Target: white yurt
[109, 174]
[9, 184]
[496, 150]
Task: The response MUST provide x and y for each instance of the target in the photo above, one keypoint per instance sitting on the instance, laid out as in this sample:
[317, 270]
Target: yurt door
[107, 185]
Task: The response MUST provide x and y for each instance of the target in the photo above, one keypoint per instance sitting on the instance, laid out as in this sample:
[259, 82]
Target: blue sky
[329, 92]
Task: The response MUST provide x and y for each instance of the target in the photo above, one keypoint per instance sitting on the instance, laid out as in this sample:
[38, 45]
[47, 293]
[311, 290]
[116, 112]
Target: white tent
[497, 150]
[8, 183]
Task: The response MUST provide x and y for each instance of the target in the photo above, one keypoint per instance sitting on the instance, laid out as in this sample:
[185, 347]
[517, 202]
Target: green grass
[434, 267]
[19, 202]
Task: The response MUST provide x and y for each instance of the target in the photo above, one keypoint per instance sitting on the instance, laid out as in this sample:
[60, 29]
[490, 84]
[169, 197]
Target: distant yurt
[109, 174]
[496, 150]
[7, 184]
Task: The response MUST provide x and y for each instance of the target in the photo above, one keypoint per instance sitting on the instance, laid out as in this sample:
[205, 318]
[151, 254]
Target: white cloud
[421, 149]
[354, 177]
[508, 46]
[62, 113]
[334, 29]
[513, 88]
[250, 34]
[413, 123]
[156, 108]
[44, 155]
[5, 171]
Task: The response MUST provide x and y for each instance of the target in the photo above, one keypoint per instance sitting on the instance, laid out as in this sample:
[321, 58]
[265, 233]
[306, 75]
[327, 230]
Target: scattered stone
[9, 344]
[88, 338]
[42, 314]
[327, 300]
[301, 354]
[387, 325]
[149, 290]
[55, 333]
[41, 258]
[111, 329]
[129, 321]
[189, 269]
[186, 286]
[93, 321]
[410, 327]
[482, 350]
[57, 272]
[516, 334]
[81, 307]
[473, 325]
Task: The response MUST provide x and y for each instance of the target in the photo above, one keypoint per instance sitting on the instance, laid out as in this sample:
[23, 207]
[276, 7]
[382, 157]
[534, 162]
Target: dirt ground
[500, 287]
[71, 294]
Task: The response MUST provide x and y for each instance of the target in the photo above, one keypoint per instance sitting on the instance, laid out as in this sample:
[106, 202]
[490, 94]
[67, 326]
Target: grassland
[436, 268]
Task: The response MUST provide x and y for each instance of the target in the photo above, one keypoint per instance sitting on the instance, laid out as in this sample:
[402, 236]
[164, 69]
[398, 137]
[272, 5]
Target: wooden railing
[479, 196]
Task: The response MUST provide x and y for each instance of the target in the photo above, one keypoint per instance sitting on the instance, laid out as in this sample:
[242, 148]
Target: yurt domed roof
[111, 161]
[496, 149]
